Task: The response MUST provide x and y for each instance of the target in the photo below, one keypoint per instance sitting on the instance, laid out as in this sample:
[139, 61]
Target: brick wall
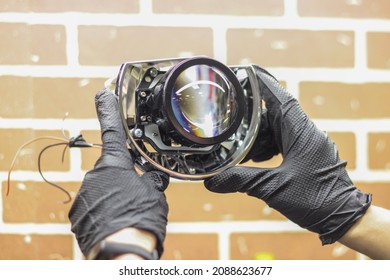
[54, 55]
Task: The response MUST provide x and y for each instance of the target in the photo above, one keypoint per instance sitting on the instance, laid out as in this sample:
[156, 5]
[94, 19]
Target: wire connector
[79, 142]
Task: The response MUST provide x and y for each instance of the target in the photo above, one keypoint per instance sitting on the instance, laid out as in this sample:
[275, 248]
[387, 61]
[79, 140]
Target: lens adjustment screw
[137, 133]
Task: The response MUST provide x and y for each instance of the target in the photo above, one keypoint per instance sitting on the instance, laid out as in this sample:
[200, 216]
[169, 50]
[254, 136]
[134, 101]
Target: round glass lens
[204, 101]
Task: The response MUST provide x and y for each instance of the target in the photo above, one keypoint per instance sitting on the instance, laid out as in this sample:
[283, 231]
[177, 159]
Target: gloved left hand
[311, 187]
[113, 196]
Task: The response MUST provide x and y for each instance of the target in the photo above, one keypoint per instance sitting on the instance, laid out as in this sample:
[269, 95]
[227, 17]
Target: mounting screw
[137, 133]
[142, 118]
[232, 137]
[142, 94]
[153, 72]
[192, 170]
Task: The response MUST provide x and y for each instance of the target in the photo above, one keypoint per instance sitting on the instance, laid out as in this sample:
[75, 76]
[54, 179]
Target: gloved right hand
[311, 187]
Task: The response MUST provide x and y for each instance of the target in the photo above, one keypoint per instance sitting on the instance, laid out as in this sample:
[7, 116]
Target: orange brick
[14, 6]
[28, 158]
[379, 151]
[90, 156]
[28, 97]
[345, 101]
[346, 144]
[17, 93]
[37, 202]
[32, 44]
[352, 9]
[380, 192]
[291, 48]
[36, 247]
[285, 246]
[109, 45]
[191, 201]
[190, 247]
[225, 7]
[378, 45]
[43, 6]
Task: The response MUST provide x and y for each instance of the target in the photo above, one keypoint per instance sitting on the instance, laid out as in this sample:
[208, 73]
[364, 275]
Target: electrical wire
[62, 140]
[43, 177]
[74, 142]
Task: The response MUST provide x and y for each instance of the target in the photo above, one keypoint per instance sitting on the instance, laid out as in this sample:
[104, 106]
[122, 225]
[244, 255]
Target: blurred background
[55, 55]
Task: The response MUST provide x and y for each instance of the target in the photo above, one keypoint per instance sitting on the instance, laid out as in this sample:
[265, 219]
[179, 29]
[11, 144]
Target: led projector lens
[189, 117]
[204, 101]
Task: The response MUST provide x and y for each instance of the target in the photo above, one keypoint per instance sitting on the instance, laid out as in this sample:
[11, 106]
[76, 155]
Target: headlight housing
[189, 117]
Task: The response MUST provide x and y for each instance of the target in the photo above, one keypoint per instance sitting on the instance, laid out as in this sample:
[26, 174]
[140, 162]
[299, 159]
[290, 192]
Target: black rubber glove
[264, 147]
[113, 196]
[311, 187]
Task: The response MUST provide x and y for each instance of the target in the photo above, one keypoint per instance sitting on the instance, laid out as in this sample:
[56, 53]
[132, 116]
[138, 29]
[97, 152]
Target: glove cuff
[335, 225]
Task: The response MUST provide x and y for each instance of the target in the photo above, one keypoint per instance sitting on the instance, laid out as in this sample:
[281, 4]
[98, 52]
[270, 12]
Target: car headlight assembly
[189, 117]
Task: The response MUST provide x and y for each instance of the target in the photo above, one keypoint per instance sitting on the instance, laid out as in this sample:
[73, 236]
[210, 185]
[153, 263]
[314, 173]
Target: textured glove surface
[113, 196]
[264, 147]
[311, 187]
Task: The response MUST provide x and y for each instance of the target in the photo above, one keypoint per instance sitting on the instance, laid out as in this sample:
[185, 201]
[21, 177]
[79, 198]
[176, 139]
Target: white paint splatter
[35, 58]
[279, 45]
[84, 82]
[27, 239]
[21, 186]
[208, 207]
[319, 100]
[344, 39]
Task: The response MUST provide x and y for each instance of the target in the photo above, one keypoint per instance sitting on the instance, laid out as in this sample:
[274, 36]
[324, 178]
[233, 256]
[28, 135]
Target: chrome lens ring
[204, 100]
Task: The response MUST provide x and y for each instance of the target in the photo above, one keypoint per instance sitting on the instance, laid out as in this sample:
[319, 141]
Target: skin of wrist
[370, 234]
[134, 236]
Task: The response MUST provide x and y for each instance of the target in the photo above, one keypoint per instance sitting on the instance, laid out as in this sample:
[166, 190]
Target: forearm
[371, 234]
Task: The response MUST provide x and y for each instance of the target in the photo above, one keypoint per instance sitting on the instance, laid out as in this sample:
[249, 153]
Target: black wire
[77, 142]
[43, 177]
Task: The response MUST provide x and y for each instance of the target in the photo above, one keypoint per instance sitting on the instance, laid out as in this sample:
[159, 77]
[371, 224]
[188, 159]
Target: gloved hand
[113, 196]
[264, 147]
[311, 187]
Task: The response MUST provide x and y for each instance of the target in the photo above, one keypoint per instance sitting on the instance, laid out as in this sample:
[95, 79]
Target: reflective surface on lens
[204, 101]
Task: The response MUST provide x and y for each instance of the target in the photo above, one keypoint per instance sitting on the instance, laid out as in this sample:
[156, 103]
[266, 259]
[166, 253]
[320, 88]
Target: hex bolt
[142, 94]
[143, 118]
